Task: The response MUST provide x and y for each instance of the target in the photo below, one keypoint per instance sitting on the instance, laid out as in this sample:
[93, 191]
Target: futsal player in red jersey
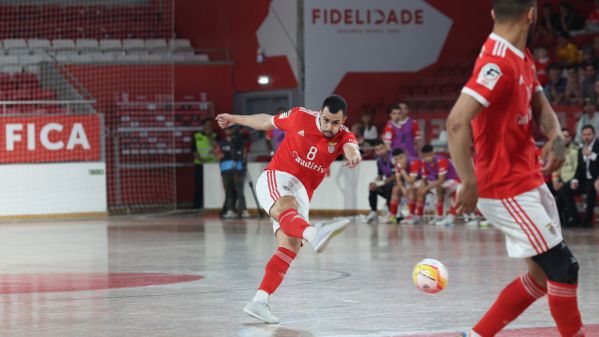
[314, 139]
[496, 111]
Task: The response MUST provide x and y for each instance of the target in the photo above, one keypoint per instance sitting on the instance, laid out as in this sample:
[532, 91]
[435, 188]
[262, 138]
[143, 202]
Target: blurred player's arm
[261, 122]
[351, 150]
[555, 149]
[436, 183]
[459, 134]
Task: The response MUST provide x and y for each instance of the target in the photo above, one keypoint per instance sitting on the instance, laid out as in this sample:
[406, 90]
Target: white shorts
[450, 186]
[272, 185]
[530, 221]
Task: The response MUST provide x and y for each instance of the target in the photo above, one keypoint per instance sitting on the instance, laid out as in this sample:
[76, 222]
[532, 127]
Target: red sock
[419, 208]
[412, 206]
[440, 208]
[453, 210]
[276, 269]
[393, 207]
[292, 224]
[563, 305]
[512, 301]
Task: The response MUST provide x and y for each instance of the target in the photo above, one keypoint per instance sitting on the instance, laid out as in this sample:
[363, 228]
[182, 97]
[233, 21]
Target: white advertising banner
[342, 36]
[53, 188]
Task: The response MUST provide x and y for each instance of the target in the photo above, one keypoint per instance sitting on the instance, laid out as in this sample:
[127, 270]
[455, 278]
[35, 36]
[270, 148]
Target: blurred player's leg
[396, 194]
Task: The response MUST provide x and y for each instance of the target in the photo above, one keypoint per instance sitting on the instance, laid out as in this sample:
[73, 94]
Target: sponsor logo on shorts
[551, 228]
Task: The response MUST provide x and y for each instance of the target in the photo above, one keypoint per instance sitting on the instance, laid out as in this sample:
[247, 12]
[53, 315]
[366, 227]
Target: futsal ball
[430, 276]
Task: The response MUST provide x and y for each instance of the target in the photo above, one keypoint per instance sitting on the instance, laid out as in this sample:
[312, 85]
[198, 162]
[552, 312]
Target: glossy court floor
[183, 275]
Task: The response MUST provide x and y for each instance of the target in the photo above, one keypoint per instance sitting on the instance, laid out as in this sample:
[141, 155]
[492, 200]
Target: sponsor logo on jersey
[308, 164]
[521, 80]
[301, 133]
[524, 119]
[489, 75]
[332, 146]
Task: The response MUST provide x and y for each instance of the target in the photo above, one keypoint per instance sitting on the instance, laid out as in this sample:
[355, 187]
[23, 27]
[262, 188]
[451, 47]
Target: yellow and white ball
[430, 276]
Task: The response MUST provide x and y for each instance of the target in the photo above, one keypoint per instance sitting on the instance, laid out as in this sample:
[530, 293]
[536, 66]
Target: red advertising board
[50, 138]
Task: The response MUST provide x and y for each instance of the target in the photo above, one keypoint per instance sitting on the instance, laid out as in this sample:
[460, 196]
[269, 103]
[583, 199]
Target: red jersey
[306, 153]
[388, 133]
[503, 82]
[413, 168]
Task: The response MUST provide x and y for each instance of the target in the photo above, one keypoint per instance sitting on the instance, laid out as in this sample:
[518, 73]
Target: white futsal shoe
[436, 219]
[372, 217]
[326, 233]
[447, 221]
[261, 311]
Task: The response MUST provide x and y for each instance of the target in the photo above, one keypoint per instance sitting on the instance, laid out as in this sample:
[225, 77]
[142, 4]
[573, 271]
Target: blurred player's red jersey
[504, 82]
[305, 152]
[414, 168]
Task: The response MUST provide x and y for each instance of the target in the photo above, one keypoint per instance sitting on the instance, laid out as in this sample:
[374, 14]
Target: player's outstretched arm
[555, 149]
[262, 122]
[352, 154]
[459, 138]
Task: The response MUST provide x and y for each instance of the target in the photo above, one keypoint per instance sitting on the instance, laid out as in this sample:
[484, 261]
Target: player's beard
[328, 134]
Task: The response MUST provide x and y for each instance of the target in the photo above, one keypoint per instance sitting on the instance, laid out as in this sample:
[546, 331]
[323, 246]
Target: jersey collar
[513, 48]
[318, 121]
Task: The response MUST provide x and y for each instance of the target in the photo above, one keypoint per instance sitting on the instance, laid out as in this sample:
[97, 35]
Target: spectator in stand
[595, 97]
[573, 93]
[542, 61]
[566, 53]
[231, 152]
[589, 79]
[587, 55]
[402, 132]
[548, 21]
[589, 117]
[563, 176]
[365, 130]
[556, 87]
[202, 147]
[383, 183]
[568, 20]
[592, 23]
[275, 137]
[585, 179]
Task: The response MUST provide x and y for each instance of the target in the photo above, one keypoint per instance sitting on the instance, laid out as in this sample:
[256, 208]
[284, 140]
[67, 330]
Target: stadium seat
[14, 43]
[39, 44]
[111, 44]
[132, 44]
[63, 44]
[83, 44]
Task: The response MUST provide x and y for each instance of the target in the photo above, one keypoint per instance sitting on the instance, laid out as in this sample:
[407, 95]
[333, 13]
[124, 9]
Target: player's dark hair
[397, 152]
[566, 129]
[281, 109]
[397, 106]
[511, 10]
[427, 148]
[335, 103]
[377, 142]
[588, 126]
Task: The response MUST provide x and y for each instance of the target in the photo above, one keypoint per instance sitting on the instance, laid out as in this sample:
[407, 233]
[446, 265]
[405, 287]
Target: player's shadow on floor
[263, 330]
